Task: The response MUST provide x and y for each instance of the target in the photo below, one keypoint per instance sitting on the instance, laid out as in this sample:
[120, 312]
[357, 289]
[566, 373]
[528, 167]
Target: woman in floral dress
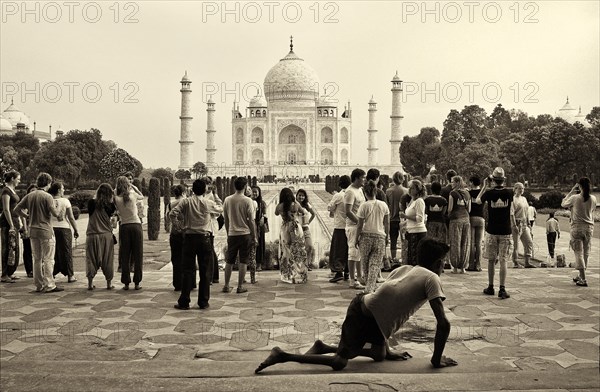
[292, 263]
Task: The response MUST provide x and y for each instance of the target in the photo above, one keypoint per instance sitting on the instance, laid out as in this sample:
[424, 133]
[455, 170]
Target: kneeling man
[374, 318]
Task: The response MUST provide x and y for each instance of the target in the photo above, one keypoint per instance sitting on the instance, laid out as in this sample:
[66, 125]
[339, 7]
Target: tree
[153, 209]
[593, 117]
[61, 159]
[118, 162]
[199, 169]
[163, 173]
[183, 174]
[419, 153]
[26, 147]
[90, 148]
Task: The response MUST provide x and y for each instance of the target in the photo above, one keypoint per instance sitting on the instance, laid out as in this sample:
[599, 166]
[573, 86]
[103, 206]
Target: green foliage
[162, 173]
[153, 209]
[199, 169]
[183, 174]
[76, 212]
[80, 199]
[531, 198]
[25, 146]
[419, 153]
[61, 159]
[551, 199]
[118, 162]
[593, 117]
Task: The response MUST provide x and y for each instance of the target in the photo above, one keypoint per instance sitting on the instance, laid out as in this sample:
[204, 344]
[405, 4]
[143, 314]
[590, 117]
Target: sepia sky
[117, 66]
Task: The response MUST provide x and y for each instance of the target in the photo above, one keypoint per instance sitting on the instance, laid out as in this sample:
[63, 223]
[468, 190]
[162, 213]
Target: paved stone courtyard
[545, 337]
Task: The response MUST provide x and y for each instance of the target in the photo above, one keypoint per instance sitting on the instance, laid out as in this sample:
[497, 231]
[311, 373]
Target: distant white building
[13, 120]
[572, 115]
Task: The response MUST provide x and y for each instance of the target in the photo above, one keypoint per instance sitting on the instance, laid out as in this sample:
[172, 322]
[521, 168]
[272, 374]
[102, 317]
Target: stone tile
[578, 320]
[249, 339]
[261, 304]
[175, 353]
[538, 364]
[80, 326]
[186, 339]
[572, 310]
[470, 312]
[559, 335]
[77, 315]
[124, 337]
[195, 326]
[148, 314]
[6, 354]
[42, 315]
[312, 289]
[263, 296]
[295, 338]
[539, 322]
[519, 351]
[310, 304]
[256, 314]
[583, 350]
[519, 310]
[312, 325]
[113, 304]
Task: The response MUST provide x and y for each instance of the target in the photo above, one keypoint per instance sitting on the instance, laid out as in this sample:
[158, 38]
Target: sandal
[241, 290]
[581, 283]
[226, 289]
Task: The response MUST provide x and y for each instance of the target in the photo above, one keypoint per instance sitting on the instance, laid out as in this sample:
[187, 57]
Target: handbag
[221, 221]
[114, 240]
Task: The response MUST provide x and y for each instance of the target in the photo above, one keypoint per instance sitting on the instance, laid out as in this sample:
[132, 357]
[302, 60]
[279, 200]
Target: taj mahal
[291, 129]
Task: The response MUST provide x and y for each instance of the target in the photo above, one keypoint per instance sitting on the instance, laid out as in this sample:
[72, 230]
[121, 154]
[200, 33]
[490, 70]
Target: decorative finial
[291, 43]
[12, 101]
[567, 99]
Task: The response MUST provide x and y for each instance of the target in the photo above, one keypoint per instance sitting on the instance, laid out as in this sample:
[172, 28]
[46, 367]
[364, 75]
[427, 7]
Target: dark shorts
[394, 234]
[241, 244]
[359, 328]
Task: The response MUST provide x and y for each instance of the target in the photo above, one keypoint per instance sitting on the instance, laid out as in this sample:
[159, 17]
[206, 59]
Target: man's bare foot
[444, 362]
[276, 356]
[392, 356]
[317, 348]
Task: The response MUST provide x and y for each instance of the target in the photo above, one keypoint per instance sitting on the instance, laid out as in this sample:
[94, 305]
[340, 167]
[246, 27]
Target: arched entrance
[292, 146]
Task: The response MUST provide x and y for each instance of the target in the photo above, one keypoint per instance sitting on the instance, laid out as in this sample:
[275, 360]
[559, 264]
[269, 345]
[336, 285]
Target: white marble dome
[291, 79]
[5, 126]
[15, 116]
[567, 112]
[258, 102]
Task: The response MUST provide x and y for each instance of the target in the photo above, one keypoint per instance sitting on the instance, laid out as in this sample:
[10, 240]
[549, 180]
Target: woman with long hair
[415, 220]
[459, 230]
[99, 243]
[63, 255]
[261, 225]
[373, 234]
[302, 198]
[582, 204]
[131, 241]
[292, 261]
[10, 223]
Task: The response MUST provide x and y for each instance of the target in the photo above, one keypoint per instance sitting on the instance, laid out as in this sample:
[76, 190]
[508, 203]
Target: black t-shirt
[476, 209]
[445, 192]
[499, 206]
[13, 199]
[434, 205]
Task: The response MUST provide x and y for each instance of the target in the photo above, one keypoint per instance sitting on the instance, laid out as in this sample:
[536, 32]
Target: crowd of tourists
[366, 220]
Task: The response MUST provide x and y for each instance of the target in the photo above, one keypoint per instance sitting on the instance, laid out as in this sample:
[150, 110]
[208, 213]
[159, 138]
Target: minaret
[185, 139]
[210, 132]
[396, 119]
[372, 148]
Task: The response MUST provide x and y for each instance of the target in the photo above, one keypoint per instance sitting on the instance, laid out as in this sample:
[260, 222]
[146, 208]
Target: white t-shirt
[406, 289]
[355, 197]
[337, 206]
[305, 217]
[531, 213]
[61, 205]
[521, 207]
[128, 211]
[581, 211]
[416, 209]
[373, 212]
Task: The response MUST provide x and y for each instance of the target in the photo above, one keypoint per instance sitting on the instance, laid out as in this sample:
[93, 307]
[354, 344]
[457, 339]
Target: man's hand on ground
[392, 356]
[444, 362]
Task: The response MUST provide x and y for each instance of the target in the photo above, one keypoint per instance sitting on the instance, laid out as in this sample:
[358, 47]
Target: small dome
[5, 126]
[185, 78]
[258, 102]
[372, 101]
[567, 112]
[396, 78]
[15, 116]
[325, 101]
[291, 79]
